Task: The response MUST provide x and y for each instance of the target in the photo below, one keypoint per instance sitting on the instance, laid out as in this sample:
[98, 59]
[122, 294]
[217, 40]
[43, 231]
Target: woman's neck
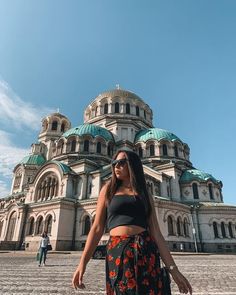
[126, 185]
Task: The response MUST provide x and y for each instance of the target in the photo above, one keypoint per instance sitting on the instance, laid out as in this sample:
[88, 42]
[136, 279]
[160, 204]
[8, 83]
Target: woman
[132, 261]
[43, 245]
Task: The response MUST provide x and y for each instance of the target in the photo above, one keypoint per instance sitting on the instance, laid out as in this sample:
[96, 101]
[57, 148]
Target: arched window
[73, 145]
[137, 110]
[17, 180]
[54, 189]
[48, 224]
[223, 230]
[170, 226]
[230, 230]
[106, 108]
[11, 226]
[164, 150]
[127, 108]
[221, 195]
[1, 226]
[96, 111]
[109, 150]
[48, 188]
[62, 127]
[39, 229]
[152, 150]
[176, 151]
[179, 232]
[152, 190]
[186, 231]
[60, 147]
[215, 229]
[140, 152]
[86, 146]
[157, 188]
[54, 125]
[211, 191]
[117, 107]
[195, 191]
[168, 190]
[99, 147]
[86, 225]
[31, 226]
[90, 188]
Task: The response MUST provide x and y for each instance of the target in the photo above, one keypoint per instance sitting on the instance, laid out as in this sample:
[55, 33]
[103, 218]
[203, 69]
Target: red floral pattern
[133, 266]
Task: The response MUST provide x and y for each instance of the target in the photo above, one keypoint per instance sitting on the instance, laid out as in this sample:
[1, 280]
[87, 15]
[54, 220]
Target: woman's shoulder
[104, 188]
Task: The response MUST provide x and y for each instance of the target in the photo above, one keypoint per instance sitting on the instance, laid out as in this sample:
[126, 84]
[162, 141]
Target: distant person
[43, 248]
[136, 243]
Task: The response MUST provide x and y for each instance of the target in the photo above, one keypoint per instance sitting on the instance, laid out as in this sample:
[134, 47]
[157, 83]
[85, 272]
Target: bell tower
[53, 126]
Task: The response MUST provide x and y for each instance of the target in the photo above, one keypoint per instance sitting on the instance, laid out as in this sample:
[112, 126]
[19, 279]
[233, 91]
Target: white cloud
[10, 155]
[15, 111]
[15, 115]
[4, 189]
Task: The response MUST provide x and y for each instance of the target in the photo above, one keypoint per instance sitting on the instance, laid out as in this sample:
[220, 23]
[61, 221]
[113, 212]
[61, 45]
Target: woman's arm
[155, 232]
[94, 237]
[183, 284]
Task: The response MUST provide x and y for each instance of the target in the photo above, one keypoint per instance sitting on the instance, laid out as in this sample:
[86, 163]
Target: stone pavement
[19, 274]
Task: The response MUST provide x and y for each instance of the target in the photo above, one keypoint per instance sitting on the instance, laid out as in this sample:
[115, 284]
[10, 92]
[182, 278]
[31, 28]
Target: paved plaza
[19, 274]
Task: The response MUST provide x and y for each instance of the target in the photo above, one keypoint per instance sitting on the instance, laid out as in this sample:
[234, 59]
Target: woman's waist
[137, 240]
[127, 230]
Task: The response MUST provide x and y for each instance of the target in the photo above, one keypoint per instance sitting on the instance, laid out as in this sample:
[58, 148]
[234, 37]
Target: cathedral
[55, 187]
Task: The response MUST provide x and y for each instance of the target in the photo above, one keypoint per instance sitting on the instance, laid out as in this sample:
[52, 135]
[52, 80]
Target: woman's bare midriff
[126, 230]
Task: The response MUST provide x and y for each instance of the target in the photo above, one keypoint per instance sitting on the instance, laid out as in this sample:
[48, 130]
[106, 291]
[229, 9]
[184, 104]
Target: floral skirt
[133, 265]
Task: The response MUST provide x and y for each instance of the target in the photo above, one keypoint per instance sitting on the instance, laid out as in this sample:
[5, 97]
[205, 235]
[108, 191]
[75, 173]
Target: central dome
[118, 93]
[116, 104]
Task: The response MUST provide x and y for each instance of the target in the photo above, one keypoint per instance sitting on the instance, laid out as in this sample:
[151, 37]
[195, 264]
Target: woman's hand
[182, 283]
[77, 281]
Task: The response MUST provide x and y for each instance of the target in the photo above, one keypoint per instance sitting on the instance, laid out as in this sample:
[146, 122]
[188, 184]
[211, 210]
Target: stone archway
[11, 226]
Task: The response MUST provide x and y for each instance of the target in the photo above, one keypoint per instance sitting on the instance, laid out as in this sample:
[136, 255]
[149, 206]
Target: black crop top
[126, 210]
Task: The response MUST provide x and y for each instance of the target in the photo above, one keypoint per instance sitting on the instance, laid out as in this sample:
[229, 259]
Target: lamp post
[193, 229]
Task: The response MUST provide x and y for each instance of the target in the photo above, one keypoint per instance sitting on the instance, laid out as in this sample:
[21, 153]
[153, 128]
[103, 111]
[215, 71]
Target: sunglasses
[120, 162]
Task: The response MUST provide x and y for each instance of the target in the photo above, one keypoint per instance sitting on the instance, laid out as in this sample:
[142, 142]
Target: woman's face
[120, 166]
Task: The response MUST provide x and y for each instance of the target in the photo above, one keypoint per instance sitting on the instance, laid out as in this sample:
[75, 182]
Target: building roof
[33, 160]
[156, 134]
[65, 168]
[89, 129]
[195, 174]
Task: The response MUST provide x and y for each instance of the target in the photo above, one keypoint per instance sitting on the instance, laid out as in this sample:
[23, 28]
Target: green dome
[195, 174]
[33, 160]
[89, 129]
[64, 168]
[156, 134]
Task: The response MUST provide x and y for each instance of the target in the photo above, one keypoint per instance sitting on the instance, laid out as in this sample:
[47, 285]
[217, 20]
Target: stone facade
[55, 188]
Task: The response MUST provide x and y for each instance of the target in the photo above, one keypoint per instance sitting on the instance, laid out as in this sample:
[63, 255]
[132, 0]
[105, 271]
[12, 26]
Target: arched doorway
[11, 226]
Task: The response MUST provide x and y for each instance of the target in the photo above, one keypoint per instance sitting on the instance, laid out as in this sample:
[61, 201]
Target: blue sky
[178, 56]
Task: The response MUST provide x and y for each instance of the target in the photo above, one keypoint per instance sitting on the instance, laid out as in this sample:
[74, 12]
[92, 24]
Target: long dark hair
[137, 180]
